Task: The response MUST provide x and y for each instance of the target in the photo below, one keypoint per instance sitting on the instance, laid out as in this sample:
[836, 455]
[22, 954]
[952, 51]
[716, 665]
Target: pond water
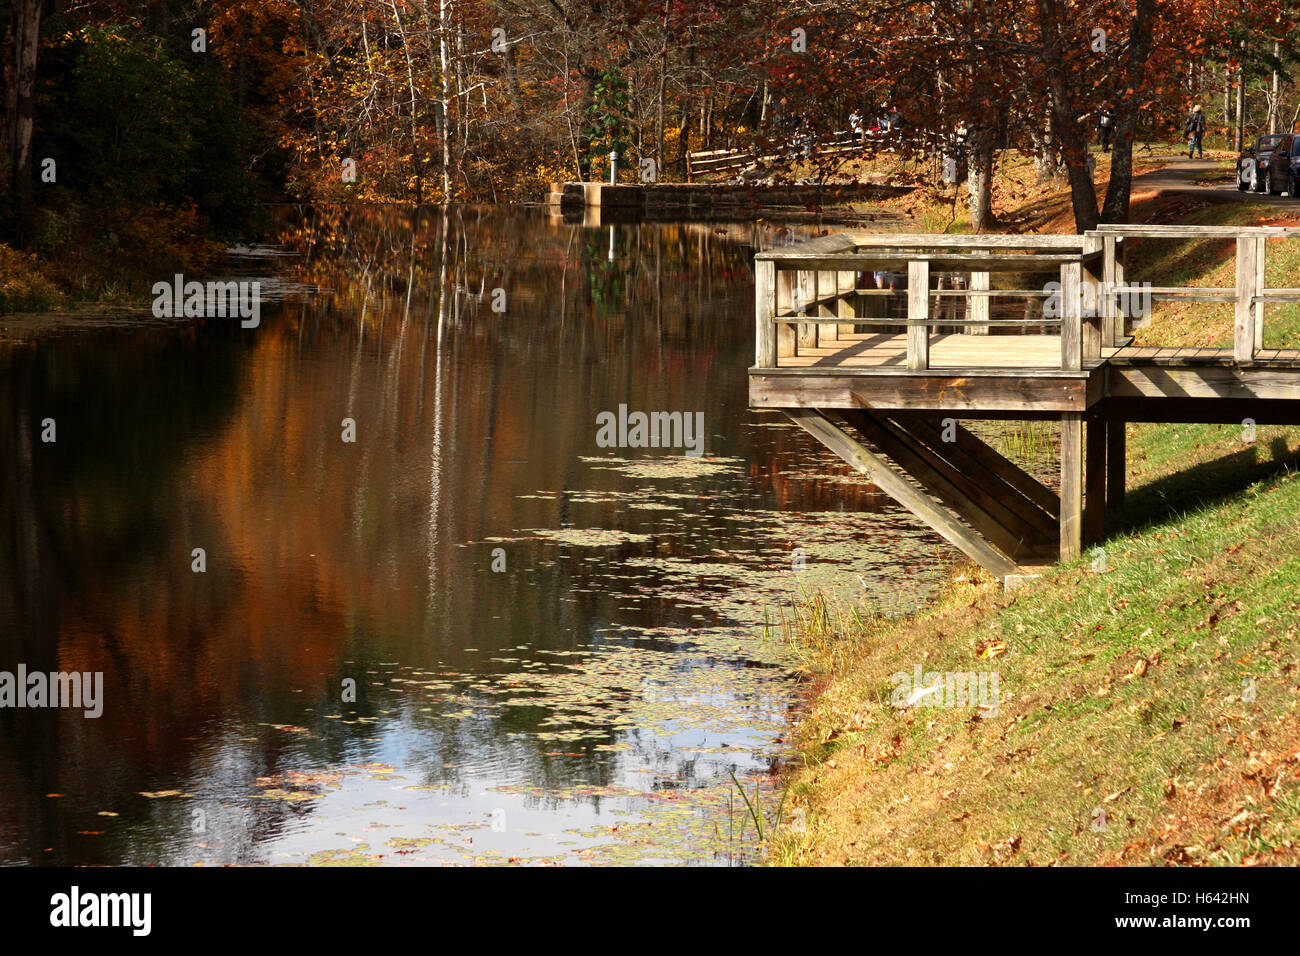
[472, 634]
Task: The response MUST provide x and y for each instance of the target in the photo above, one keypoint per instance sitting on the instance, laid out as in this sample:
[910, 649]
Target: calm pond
[472, 634]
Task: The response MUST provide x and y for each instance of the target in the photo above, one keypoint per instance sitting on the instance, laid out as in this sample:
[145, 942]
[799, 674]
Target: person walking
[895, 119]
[1105, 127]
[1195, 130]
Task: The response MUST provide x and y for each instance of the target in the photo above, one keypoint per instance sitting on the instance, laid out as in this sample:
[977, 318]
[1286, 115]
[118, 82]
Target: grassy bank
[1148, 705]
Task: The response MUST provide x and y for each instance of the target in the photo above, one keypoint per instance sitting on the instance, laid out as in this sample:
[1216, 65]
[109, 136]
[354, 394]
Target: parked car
[1284, 167]
[1253, 163]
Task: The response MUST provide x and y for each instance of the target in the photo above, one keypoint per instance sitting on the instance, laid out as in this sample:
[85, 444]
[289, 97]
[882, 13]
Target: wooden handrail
[1094, 259]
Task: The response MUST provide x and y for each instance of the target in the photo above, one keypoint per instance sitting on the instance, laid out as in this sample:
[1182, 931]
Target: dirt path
[1181, 177]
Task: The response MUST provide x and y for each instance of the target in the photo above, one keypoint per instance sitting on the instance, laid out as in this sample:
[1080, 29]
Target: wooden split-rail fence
[704, 162]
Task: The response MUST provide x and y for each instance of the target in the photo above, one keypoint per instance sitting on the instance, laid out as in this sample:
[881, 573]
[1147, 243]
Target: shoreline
[1147, 710]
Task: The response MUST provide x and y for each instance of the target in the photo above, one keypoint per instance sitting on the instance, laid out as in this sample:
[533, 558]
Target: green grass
[1156, 680]
[1211, 262]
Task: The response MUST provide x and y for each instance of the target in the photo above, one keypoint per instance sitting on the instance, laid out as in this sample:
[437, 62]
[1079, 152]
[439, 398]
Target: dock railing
[808, 294]
[1250, 294]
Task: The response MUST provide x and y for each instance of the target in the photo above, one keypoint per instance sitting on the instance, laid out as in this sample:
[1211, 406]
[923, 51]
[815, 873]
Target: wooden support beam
[888, 480]
[765, 351]
[1071, 486]
[918, 311]
[1071, 319]
[963, 390]
[1204, 381]
[986, 463]
[1094, 516]
[1011, 532]
[1243, 328]
[1116, 462]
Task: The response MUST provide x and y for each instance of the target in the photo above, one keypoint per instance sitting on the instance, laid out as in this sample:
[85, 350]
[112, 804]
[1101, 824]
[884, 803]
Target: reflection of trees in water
[320, 551]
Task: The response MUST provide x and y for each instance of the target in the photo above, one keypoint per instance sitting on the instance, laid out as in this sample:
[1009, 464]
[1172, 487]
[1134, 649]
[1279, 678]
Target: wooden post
[1109, 306]
[827, 287]
[786, 343]
[977, 306]
[1071, 320]
[1094, 516]
[1071, 485]
[918, 311]
[764, 313]
[847, 306]
[1243, 328]
[1121, 315]
[1116, 462]
[1096, 320]
[1261, 245]
[808, 305]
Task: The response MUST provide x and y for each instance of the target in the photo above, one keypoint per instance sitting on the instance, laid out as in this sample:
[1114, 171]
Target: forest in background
[158, 123]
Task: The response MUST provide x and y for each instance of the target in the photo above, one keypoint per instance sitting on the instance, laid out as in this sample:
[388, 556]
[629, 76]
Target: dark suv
[1284, 167]
[1254, 163]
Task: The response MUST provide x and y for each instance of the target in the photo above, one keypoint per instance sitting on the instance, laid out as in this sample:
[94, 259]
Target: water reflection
[351, 680]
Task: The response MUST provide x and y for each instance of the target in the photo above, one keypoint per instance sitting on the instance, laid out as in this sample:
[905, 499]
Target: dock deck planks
[861, 352]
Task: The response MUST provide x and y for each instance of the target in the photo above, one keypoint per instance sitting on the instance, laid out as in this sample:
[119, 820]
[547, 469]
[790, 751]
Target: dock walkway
[875, 387]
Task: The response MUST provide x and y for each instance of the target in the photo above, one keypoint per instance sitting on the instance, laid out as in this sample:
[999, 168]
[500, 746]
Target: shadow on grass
[1209, 483]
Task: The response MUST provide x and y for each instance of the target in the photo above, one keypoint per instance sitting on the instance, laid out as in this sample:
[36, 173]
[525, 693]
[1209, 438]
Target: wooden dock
[885, 392]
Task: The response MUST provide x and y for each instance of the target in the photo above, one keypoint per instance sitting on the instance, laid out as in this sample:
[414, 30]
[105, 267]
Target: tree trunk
[1045, 166]
[444, 104]
[588, 77]
[660, 95]
[27, 35]
[683, 145]
[1065, 123]
[512, 77]
[1275, 94]
[1241, 101]
[1227, 97]
[410, 85]
[1120, 189]
[979, 178]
